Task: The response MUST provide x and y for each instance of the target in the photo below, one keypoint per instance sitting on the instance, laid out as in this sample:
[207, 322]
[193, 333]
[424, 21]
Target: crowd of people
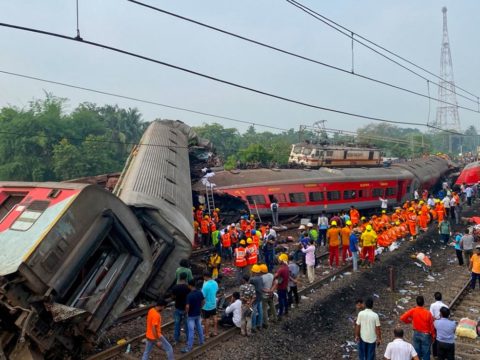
[266, 269]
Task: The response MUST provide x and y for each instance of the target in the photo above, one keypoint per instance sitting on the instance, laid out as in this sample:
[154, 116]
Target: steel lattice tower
[447, 114]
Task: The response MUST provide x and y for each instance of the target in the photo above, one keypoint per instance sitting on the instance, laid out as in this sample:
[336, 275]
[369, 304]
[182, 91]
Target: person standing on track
[240, 260]
[180, 293]
[154, 332]
[345, 235]
[281, 285]
[354, 249]
[269, 310]
[368, 333]
[274, 208]
[195, 301]
[354, 215]
[309, 252]
[369, 239]
[257, 282]
[322, 229]
[458, 248]
[445, 329]
[466, 244]
[423, 329]
[399, 349]
[209, 290]
[435, 310]
[412, 221]
[293, 270]
[475, 267]
[333, 240]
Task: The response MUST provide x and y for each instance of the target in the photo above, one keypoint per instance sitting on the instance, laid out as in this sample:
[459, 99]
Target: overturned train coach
[74, 256]
[310, 192]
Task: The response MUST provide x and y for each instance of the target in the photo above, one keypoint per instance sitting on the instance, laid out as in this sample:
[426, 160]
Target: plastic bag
[467, 328]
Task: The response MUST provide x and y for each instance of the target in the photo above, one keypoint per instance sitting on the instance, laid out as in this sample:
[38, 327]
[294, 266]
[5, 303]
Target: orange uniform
[154, 321]
[354, 216]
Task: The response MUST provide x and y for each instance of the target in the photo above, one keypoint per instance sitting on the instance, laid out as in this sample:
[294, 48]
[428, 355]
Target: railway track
[119, 350]
[466, 304]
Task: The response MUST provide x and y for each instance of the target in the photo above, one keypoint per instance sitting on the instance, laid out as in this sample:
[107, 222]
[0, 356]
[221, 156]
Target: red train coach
[311, 191]
[470, 174]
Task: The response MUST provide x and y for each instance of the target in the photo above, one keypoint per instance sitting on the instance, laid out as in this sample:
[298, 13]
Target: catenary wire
[313, 14]
[302, 57]
[222, 81]
[168, 106]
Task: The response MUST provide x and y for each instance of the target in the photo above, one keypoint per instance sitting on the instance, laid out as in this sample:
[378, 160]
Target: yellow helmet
[411, 209]
[421, 202]
[348, 222]
[206, 217]
[384, 211]
[368, 227]
[242, 242]
[252, 216]
[256, 269]
[249, 241]
[397, 222]
[363, 218]
[217, 209]
[263, 268]
[283, 257]
[333, 223]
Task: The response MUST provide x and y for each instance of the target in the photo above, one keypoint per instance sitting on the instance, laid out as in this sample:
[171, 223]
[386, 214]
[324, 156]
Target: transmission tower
[447, 114]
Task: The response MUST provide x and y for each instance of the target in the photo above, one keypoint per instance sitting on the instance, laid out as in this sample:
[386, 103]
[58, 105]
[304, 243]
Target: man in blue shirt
[445, 330]
[195, 300]
[354, 249]
[209, 290]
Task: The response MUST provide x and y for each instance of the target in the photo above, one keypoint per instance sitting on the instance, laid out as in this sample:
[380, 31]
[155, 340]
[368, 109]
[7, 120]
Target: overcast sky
[411, 28]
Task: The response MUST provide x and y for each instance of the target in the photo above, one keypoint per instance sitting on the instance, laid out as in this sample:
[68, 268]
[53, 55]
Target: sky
[411, 28]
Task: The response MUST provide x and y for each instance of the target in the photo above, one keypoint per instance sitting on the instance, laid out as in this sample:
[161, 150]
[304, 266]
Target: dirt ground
[322, 327]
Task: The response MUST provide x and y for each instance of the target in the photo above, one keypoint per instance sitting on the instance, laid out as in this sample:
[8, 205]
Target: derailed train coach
[74, 256]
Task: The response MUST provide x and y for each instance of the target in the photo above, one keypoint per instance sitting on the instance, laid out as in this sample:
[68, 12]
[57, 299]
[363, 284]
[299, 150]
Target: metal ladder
[209, 199]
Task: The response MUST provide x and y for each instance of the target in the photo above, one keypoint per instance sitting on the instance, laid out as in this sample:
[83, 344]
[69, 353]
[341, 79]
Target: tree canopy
[42, 142]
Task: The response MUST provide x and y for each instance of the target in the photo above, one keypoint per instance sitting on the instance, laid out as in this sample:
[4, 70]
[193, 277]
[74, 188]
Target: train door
[400, 191]
[370, 155]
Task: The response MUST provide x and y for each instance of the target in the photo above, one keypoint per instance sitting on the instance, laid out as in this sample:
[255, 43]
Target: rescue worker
[345, 235]
[385, 218]
[312, 232]
[439, 208]
[412, 223]
[216, 216]
[333, 240]
[215, 237]
[243, 223]
[354, 215]
[205, 230]
[251, 253]
[240, 261]
[214, 263]
[199, 214]
[253, 223]
[226, 245]
[423, 216]
[369, 239]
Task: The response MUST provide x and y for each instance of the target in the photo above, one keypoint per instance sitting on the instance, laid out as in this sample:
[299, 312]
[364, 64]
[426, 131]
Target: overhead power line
[213, 78]
[302, 57]
[355, 37]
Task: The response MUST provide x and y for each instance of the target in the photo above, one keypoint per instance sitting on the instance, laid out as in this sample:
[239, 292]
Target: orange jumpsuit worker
[423, 218]
[333, 240]
[205, 230]
[345, 235]
[240, 261]
[412, 223]
[354, 216]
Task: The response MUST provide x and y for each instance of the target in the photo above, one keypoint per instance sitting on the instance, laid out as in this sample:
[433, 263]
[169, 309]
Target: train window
[315, 196]
[362, 193]
[256, 199]
[279, 198]
[330, 153]
[297, 197]
[391, 191]
[9, 203]
[333, 195]
[349, 194]
[30, 215]
[377, 192]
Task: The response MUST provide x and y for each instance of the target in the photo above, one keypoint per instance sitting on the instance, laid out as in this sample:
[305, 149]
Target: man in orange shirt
[423, 328]
[154, 332]
[475, 267]
[345, 235]
[354, 215]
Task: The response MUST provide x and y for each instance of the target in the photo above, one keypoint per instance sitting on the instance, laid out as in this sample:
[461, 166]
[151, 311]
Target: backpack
[274, 207]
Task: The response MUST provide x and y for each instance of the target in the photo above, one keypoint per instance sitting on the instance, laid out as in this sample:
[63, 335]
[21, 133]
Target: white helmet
[309, 225]
[301, 227]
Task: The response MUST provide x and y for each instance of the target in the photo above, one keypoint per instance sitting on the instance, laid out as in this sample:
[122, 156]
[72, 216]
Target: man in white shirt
[233, 312]
[367, 332]
[435, 310]
[384, 202]
[399, 349]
